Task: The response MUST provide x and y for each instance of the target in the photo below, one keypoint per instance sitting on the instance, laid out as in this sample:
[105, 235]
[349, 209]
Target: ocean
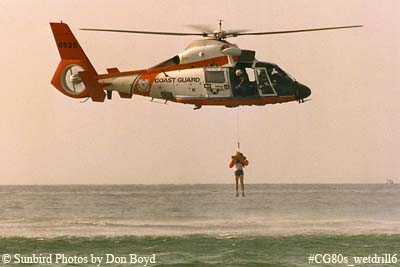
[200, 225]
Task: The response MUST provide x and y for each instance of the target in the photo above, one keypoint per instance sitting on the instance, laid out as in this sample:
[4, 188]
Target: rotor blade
[201, 28]
[207, 29]
[234, 33]
[144, 32]
[303, 30]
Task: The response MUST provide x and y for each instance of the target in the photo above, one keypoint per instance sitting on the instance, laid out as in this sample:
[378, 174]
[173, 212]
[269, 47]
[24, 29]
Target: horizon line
[179, 184]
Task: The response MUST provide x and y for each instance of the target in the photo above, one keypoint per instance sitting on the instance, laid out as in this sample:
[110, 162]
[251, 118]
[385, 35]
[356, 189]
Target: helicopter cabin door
[216, 82]
[264, 84]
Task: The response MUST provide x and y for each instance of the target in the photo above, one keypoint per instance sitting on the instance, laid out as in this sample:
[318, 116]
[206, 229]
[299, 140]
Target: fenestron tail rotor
[71, 81]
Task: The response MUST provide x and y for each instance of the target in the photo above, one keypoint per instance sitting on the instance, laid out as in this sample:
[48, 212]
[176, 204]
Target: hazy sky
[349, 132]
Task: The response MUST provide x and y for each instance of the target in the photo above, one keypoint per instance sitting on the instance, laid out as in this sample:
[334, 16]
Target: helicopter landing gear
[197, 107]
[109, 95]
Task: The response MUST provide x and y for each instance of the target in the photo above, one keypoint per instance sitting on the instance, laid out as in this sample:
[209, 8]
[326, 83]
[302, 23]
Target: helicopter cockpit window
[278, 75]
[215, 77]
[250, 74]
[263, 82]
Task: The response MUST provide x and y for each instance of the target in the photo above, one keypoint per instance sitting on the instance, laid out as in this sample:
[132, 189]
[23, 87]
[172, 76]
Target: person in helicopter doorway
[241, 81]
[238, 161]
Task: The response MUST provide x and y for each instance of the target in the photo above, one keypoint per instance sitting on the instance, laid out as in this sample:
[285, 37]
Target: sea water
[200, 225]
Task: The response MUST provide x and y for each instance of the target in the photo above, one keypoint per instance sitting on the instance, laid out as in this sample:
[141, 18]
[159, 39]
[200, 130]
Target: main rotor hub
[220, 35]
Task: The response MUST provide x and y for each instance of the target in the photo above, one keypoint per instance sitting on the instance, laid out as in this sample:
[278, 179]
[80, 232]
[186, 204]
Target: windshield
[276, 71]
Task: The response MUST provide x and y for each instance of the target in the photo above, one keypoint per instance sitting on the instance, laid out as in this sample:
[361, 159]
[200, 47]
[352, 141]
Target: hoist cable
[237, 128]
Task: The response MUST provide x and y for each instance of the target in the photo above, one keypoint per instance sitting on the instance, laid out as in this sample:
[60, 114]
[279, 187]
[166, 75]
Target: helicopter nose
[302, 92]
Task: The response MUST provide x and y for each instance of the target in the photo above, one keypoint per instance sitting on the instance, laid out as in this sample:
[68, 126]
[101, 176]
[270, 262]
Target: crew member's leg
[242, 184]
[237, 185]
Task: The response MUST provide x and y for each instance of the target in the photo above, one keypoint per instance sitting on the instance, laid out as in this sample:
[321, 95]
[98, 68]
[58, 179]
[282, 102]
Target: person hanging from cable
[238, 161]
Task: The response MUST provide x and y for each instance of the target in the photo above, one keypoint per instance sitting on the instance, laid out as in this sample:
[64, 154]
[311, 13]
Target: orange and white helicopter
[210, 71]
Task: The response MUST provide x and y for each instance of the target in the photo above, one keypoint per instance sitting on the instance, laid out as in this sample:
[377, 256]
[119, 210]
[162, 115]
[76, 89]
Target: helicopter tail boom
[75, 76]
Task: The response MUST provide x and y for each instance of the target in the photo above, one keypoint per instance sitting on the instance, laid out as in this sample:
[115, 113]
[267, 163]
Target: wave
[95, 227]
[51, 211]
[209, 250]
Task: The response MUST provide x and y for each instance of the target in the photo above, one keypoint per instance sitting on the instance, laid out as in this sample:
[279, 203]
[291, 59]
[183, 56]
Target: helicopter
[210, 72]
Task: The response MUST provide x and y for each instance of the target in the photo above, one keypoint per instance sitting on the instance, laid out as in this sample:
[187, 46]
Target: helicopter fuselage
[208, 72]
[264, 83]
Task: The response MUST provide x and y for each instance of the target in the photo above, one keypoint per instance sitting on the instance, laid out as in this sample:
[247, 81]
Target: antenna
[220, 24]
